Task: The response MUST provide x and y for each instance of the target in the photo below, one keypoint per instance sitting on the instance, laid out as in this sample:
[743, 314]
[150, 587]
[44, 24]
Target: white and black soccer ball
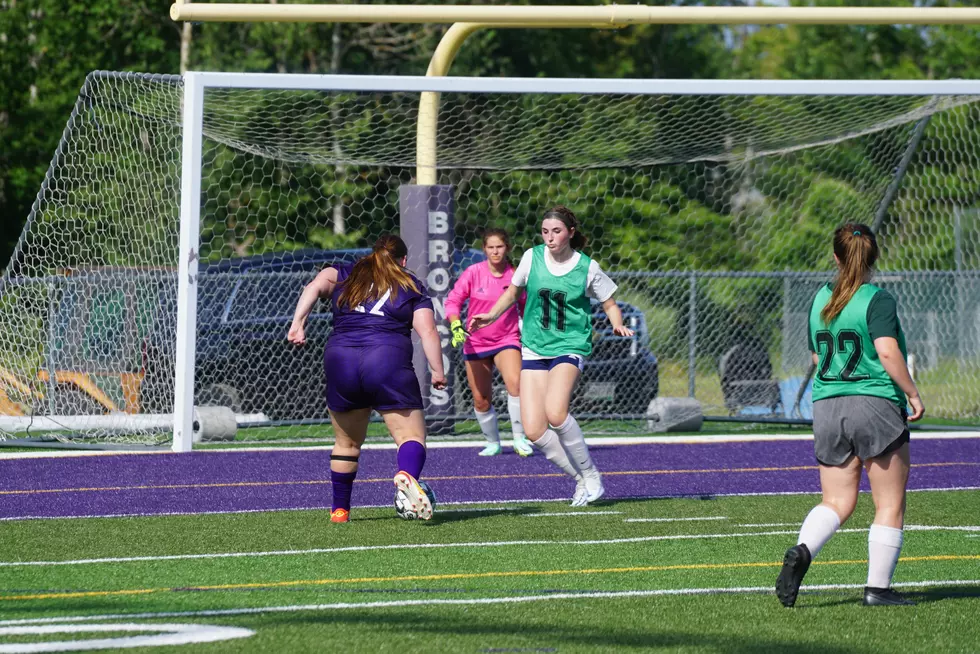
[403, 507]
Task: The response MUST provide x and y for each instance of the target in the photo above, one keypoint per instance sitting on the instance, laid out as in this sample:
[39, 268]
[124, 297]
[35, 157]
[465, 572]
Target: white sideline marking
[766, 590]
[530, 500]
[591, 440]
[375, 548]
[714, 517]
[519, 543]
[772, 524]
[168, 634]
[477, 509]
[564, 513]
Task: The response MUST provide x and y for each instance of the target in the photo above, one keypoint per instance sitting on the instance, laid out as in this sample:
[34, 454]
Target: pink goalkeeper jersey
[482, 289]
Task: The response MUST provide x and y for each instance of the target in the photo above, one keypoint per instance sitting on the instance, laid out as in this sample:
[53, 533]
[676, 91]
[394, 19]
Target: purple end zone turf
[242, 481]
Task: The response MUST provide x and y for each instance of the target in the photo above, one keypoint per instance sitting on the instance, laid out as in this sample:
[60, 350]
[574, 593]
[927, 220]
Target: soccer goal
[148, 298]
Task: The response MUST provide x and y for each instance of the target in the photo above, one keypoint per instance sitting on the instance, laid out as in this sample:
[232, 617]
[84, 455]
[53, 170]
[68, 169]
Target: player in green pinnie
[859, 417]
[555, 340]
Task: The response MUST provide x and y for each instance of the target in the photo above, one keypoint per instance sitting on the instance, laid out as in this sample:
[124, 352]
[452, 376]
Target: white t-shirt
[598, 285]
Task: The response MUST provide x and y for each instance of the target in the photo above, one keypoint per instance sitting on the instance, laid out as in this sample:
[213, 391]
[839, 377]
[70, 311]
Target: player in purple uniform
[368, 364]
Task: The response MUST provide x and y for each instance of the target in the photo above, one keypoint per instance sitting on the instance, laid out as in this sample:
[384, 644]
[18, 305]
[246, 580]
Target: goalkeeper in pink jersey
[497, 345]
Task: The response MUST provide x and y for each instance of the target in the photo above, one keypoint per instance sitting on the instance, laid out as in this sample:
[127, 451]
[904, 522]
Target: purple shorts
[489, 354]
[376, 377]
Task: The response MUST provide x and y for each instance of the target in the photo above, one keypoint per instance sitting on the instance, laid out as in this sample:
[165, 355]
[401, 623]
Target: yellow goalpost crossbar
[569, 16]
[467, 19]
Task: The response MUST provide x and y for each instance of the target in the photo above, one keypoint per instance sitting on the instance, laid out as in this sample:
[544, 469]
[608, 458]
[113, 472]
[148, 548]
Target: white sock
[884, 545]
[819, 526]
[488, 424]
[514, 409]
[573, 441]
[554, 452]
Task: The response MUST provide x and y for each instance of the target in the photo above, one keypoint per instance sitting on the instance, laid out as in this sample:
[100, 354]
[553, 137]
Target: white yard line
[163, 634]
[376, 548]
[769, 525]
[592, 440]
[400, 603]
[538, 500]
[713, 517]
[575, 513]
[482, 544]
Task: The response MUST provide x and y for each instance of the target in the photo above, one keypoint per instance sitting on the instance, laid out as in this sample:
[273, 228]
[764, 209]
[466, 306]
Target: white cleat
[523, 446]
[419, 501]
[580, 498]
[492, 449]
[593, 487]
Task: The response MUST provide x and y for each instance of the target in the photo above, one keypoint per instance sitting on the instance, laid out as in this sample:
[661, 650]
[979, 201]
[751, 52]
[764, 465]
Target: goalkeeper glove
[459, 334]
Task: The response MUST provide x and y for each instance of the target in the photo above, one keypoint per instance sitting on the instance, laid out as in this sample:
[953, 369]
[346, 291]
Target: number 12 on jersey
[547, 296]
[376, 309]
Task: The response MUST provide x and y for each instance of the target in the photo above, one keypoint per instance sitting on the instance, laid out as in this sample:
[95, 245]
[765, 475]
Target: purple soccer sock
[343, 484]
[411, 458]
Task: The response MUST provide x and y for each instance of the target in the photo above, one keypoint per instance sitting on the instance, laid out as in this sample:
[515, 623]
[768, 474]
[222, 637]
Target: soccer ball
[404, 508]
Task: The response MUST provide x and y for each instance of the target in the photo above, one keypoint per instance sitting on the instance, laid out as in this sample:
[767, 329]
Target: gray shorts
[860, 425]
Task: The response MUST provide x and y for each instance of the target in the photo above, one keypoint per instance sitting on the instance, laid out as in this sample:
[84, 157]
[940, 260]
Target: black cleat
[795, 564]
[884, 597]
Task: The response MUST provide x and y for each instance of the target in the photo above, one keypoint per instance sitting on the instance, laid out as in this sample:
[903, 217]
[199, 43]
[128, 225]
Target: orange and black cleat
[340, 515]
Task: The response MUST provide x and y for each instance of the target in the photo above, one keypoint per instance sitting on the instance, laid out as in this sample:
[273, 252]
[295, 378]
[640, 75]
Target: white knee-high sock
[554, 452]
[884, 546]
[572, 439]
[488, 424]
[514, 409]
[820, 524]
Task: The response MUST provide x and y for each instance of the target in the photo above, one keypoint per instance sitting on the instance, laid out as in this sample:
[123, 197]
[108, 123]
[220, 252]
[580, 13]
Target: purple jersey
[384, 321]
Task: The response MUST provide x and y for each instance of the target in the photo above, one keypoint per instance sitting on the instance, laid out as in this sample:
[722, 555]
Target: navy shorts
[476, 356]
[549, 364]
[376, 377]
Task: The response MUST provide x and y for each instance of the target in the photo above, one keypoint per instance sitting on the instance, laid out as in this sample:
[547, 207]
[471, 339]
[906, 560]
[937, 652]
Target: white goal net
[711, 204]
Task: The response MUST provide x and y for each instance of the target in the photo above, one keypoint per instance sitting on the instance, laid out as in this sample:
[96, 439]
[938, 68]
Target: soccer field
[682, 556]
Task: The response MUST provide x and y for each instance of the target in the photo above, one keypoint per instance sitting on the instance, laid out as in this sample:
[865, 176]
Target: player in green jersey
[859, 416]
[555, 340]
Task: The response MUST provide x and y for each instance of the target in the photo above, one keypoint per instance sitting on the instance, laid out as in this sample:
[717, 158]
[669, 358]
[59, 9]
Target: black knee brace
[344, 457]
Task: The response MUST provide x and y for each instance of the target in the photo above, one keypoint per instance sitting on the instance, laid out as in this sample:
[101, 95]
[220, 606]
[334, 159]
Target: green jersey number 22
[847, 341]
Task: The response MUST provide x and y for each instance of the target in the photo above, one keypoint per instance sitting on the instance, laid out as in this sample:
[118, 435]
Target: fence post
[960, 291]
[692, 332]
[787, 326]
[49, 363]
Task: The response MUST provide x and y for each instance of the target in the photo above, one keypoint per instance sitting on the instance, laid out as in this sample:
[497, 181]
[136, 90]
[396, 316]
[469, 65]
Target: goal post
[181, 217]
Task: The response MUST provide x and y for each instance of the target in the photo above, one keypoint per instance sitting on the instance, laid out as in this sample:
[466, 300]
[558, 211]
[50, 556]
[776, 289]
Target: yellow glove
[459, 334]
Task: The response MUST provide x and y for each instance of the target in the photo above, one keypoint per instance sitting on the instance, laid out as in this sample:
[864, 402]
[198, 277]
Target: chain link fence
[713, 213]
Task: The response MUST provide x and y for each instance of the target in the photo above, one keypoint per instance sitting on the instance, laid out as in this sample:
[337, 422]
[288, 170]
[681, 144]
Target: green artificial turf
[505, 575]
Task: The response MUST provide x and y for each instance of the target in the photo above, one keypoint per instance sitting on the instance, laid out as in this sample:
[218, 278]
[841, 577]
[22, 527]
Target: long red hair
[378, 273]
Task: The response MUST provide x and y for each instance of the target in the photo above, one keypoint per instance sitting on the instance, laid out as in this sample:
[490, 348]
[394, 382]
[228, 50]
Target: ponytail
[857, 250]
[378, 273]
